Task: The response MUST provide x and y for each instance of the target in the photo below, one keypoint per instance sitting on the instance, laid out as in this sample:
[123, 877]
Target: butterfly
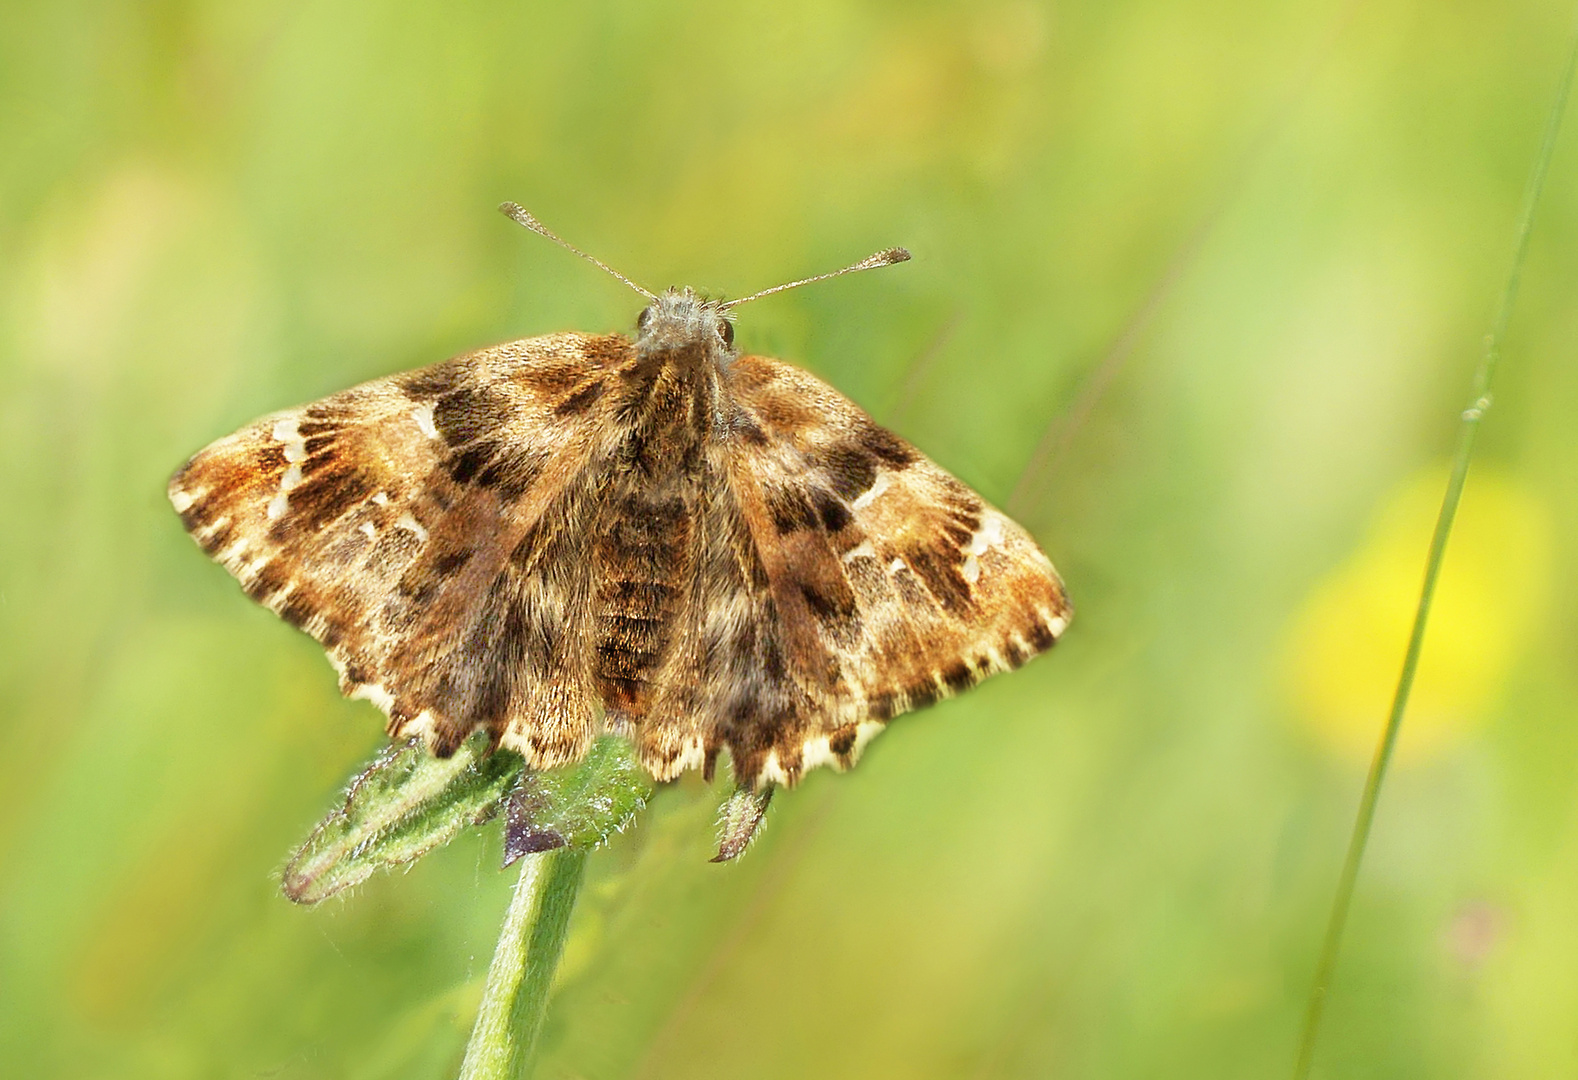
[661, 537]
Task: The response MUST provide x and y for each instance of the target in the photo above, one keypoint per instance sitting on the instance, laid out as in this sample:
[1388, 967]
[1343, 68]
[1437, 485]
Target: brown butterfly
[552, 537]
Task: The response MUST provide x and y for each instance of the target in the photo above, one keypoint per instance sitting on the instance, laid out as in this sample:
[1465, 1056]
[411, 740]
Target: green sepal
[578, 806]
[740, 821]
[400, 807]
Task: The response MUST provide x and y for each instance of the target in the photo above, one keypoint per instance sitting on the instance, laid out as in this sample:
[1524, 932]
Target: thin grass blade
[1468, 428]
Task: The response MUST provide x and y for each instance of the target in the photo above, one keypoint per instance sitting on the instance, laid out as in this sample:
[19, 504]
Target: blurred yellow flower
[1345, 644]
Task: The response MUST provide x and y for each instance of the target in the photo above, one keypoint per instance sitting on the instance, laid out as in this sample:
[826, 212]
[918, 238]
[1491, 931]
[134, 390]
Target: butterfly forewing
[426, 529]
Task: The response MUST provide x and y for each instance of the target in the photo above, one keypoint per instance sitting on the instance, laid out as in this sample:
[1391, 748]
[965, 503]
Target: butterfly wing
[512, 538]
[874, 582]
[423, 527]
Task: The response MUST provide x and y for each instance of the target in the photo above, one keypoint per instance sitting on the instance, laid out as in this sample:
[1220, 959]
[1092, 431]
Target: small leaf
[578, 806]
[403, 805]
[739, 820]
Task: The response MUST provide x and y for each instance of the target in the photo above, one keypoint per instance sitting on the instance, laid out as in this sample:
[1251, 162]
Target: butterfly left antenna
[520, 214]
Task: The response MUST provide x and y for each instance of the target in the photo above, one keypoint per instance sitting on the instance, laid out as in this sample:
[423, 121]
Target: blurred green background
[1229, 264]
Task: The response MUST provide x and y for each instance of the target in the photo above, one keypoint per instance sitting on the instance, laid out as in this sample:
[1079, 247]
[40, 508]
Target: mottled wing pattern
[865, 580]
[428, 530]
[557, 533]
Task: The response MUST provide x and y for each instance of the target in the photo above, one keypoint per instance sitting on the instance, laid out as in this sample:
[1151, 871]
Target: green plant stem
[524, 961]
[1467, 430]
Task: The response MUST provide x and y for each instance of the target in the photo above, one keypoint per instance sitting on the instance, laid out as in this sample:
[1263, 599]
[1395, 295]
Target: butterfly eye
[644, 318]
[726, 331]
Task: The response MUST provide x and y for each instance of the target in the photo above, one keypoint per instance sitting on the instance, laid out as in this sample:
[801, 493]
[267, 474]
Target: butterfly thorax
[674, 389]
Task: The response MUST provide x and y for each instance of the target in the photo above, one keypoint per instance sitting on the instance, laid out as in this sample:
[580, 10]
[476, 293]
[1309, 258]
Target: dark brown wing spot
[470, 413]
[910, 589]
[746, 427]
[271, 459]
[447, 738]
[1041, 636]
[300, 605]
[325, 416]
[493, 656]
[332, 633]
[270, 579]
[419, 584]
[790, 512]
[834, 514]
[200, 513]
[958, 676]
[959, 533]
[773, 664]
[313, 464]
[466, 464]
[322, 498]
[883, 707]
[218, 538]
[581, 400]
[885, 446]
[833, 603]
[849, 470]
[435, 381]
[939, 570]
[449, 563]
[512, 475]
[1015, 653]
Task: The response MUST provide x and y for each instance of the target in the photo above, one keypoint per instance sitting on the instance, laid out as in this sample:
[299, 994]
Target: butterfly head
[681, 320]
[680, 323]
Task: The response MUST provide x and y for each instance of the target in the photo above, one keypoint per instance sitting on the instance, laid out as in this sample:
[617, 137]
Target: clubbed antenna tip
[884, 258]
[870, 262]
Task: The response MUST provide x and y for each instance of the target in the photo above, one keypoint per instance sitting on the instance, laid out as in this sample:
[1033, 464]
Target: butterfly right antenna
[870, 262]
